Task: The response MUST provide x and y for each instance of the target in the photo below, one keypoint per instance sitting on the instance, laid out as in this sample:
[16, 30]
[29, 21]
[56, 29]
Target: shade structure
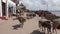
[11, 6]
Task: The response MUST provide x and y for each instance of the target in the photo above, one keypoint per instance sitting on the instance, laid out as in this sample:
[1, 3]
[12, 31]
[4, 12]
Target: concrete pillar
[6, 8]
[14, 10]
[0, 8]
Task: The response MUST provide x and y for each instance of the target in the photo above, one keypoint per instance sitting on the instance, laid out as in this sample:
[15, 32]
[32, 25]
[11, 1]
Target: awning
[11, 6]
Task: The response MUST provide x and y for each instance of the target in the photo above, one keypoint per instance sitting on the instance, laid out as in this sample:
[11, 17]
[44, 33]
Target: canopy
[11, 6]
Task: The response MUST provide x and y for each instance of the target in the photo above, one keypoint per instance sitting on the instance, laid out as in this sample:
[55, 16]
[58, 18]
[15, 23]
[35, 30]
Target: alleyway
[29, 26]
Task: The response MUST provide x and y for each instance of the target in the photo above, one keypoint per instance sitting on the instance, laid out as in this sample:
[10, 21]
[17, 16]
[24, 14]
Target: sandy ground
[29, 26]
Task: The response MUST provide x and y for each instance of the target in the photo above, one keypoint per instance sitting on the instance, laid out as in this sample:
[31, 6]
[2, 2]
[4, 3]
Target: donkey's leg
[56, 31]
[43, 29]
[40, 27]
[47, 31]
[21, 24]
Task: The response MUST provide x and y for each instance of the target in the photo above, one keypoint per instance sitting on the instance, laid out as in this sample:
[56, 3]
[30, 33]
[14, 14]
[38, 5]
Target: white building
[0, 8]
[4, 8]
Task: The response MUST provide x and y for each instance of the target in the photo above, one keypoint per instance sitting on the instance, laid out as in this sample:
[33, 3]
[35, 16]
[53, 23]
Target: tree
[22, 7]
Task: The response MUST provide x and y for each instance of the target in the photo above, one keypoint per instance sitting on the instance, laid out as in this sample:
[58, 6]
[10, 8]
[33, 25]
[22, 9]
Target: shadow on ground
[36, 32]
[15, 27]
[58, 27]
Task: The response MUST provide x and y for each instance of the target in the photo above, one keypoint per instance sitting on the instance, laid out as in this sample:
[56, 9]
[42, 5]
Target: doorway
[3, 9]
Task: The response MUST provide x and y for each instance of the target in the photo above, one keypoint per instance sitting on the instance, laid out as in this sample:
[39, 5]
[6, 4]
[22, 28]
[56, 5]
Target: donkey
[45, 24]
[21, 20]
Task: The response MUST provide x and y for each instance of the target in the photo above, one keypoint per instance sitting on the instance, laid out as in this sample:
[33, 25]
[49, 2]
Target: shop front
[11, 10]
[7, 8]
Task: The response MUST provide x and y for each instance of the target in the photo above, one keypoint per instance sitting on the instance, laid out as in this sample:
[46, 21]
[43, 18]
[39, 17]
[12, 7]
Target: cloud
[42, 4]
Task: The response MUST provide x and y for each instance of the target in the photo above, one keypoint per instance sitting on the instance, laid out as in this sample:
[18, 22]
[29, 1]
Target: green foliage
[22, 6]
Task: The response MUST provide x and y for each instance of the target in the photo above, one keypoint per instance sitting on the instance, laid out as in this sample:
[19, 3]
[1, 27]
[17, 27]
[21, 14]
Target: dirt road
[29, 26]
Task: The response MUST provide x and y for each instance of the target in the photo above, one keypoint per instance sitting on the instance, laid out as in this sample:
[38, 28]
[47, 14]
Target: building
[0, 8]
[12, 8]
[7, 8]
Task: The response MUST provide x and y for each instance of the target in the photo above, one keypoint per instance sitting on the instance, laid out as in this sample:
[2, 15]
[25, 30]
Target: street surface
[29, 26]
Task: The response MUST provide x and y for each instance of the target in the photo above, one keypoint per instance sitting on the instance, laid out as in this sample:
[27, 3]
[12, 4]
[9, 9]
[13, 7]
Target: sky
[42, 5]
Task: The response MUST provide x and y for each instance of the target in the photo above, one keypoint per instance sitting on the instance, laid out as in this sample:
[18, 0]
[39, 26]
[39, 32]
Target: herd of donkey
[51, 22]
